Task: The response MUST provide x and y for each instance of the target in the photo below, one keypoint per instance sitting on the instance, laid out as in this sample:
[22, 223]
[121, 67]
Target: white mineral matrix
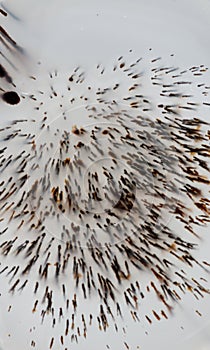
[104, 185]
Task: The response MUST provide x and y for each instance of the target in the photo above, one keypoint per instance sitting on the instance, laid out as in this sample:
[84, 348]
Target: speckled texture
[104, 175]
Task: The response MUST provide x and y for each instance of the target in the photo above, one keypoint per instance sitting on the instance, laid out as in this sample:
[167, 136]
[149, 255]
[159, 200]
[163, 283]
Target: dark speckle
[2, 72]
[11, 97]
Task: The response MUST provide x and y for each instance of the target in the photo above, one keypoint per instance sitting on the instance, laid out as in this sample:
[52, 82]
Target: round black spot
[11, 97]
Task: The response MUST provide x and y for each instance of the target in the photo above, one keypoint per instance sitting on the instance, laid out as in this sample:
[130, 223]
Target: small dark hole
[11, 97]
